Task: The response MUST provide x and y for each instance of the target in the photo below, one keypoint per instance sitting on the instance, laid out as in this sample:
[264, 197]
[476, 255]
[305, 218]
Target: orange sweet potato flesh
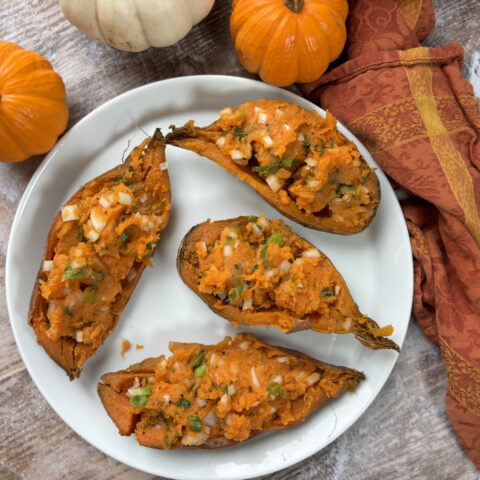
[296, 160]
[95, 253]
[219, 395]
[257, 272]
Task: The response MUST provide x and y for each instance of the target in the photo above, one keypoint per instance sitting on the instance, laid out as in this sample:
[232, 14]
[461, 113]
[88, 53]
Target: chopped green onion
[183, 403]
[255, 267]
[237, 266]
[275, 237]
[140, 391]
[90, 294]
[125, 235]
[69, 273]
[139, 400]
[236, 291]
[67, 311]
[346, 189]
[271, 169]
[97, 276]
[149, 246]
[365, 174]
[167, 441]
[198, 359]
[294, 276]
[130, 169]
[117, 180]
[161, 416]
[333, 142]
[48, 324]
[81, 236]
[289, 162]
[327, 292]
[200, 370]
[135, 208]
[251, 218]
[195, 424]
[263, 253]
[333, 181]
[274, 388]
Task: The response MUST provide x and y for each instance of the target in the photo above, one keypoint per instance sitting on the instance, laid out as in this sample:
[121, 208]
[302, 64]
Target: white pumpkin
[135, 25]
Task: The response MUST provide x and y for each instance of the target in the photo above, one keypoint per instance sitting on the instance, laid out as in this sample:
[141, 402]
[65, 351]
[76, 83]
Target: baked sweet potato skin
[321, 182]
[153, 423]
[342, 316]
[66, 351]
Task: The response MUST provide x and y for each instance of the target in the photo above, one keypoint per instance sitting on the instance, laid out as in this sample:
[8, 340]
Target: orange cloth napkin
[418, 117]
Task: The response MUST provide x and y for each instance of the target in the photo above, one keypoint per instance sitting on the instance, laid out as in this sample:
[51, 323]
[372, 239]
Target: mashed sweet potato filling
[231, 390]
[102, 238]
[301, 156]
[263, 265]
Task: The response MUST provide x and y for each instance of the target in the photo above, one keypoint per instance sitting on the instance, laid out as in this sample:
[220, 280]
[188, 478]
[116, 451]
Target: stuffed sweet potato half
[215, 396]
[257, 272]
[96, 250]
[296, 160]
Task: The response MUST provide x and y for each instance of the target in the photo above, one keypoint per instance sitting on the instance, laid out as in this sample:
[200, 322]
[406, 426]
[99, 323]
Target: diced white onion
[227, 250]
[98, 220]
[267, 141]
[285, 266]
[158, 426]
[224, 400]
[272, 410]
[166, 398]
[200, 438]
[124, 198]
[256, 229]
[231, 390]
[257, 110]
[105, 308]
[80, 336]
[313, 378]
[262, 222]
[270, 273]
[93, 235]
[279, 111]
[262, 118]
[144, 198]
[301, 137]
[277, 379]
[347, 324]
[313, 183]
[176, 366]
[163, 166]
[337, 289]
[76, 264]
[47, 265]
[244, 346]
[222, 295]
[69, 213]
[210, 419]
[312, 253]
[220, 141]
[163, 364]
[131, 274]
[246, 305]
[236, 155]
[255, 381]
[282, 359]
[104, 202]
[201, 402]
[287, 127]
[225, 111]
[311, 162]
[273, 183]
[228, 420]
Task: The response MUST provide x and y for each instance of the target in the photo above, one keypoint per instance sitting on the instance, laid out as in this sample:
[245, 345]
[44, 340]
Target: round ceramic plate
[376, 264]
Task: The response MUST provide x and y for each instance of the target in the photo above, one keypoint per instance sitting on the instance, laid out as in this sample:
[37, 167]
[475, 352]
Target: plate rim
[49, 158]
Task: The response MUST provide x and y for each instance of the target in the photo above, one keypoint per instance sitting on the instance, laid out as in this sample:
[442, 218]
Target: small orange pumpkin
[32, 104]
[288, 41]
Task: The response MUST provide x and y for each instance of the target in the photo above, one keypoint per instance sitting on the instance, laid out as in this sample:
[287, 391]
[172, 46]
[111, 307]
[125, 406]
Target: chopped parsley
[271, 169]
[67, 311]
[195, 424]
[198, 359]
[200, 370]
[125, 236]
[183, 403]
[365, 174]
[289, 162]
[327, 292]
[240, 134]
[236, 291]
[306, 144]
[274, 388]
[69, 273]
[252, 218]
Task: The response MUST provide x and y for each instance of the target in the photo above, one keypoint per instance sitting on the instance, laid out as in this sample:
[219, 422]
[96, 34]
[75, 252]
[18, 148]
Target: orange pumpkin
[32, 104]
[288, 41]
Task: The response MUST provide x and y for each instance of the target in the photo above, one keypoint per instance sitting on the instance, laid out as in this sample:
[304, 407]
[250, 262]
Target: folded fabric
[419, 118]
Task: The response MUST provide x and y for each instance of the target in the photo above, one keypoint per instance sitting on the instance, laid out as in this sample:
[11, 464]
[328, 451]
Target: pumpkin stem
[294, 5]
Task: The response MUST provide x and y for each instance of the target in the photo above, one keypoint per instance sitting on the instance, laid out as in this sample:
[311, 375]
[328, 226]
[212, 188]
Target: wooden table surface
[404, 434]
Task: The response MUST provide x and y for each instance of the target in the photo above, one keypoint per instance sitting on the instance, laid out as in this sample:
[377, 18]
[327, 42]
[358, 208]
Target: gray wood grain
[405, 433]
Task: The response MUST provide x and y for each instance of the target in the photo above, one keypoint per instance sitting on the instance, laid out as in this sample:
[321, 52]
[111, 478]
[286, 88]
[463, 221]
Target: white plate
[377, 266]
